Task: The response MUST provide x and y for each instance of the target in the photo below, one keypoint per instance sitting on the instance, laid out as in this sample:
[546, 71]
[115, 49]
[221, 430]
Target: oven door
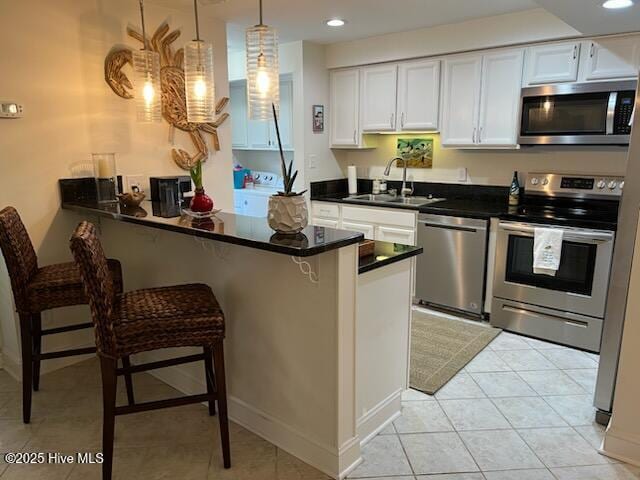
[581, 282]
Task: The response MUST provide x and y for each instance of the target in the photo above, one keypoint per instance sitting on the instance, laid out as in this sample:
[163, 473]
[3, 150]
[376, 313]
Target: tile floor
[520, 410]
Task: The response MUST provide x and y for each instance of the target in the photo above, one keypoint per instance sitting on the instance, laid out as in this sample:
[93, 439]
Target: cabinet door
[238, 108]
[285, 120]
[238, 202]
[367, 229]
[609, 58]
[344, 107]
[418, 95]
[500, 98]
[259, 138]
[323, 222]
[378, 101]
[396, 235]
[461, 90]
[256, 205]
[552, 63]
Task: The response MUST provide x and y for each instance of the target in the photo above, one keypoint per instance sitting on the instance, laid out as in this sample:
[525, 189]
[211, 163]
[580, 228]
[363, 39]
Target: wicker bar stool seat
[145, 320]
[37, 289]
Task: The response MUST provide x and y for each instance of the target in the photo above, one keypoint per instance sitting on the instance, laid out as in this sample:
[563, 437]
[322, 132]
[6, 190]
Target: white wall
[521, 27]
[51, 59]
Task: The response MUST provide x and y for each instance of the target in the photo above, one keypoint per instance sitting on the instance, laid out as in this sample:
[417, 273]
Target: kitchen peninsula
[317, 344]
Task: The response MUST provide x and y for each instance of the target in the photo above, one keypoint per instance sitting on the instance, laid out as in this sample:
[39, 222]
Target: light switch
[313, 161]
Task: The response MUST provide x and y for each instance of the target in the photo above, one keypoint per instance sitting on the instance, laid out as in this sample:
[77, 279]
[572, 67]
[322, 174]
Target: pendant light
[198, 74]
[146, 67]
[263, 76]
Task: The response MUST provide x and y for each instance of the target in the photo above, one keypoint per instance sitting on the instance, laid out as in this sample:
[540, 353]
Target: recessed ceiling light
[617, 4]
[335, 22]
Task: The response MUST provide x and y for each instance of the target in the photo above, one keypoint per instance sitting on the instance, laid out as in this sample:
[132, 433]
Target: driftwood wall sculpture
[174, 104]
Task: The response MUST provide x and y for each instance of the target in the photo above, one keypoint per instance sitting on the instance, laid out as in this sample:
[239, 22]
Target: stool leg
[109, 385]
[27, 365]
[36, 321]
[126, 363]
[209, 377]
[218, 362]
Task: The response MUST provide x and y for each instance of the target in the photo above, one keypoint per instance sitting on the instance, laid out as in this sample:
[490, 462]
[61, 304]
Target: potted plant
[287, 209]
[201, 202]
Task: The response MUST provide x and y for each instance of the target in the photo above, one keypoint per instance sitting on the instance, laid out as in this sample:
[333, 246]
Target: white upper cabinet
[500, 98]
[418, 95]
[552, 63]
[461, 99]
[238, 108]
[609, 58]
[344, 108]
[260, 134]
[378, 99]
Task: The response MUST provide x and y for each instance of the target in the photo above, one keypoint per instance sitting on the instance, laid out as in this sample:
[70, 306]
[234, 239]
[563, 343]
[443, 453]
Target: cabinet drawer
[325, 210]
[367, 230]
[380, 216]
[403, 236]
[323, 222]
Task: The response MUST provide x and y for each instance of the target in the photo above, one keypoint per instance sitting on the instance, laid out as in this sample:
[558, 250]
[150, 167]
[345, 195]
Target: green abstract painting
[417, 152]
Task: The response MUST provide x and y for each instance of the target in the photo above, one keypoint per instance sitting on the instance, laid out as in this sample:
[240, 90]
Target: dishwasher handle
[447, 226]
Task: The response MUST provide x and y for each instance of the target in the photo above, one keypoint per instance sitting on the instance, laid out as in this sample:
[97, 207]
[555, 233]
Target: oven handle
[595, 236]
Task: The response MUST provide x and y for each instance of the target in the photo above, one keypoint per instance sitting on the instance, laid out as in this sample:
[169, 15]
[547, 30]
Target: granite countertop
[386, 253]
[253, 232]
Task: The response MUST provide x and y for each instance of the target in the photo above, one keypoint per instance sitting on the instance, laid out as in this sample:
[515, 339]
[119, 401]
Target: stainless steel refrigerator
[620, 274]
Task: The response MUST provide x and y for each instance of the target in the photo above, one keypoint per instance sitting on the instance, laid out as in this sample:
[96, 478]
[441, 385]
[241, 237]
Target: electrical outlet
[313, 161]
[462, 174]
[135, 182]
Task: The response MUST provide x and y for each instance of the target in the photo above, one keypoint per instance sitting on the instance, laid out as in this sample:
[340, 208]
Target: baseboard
[13, 366]
[377, 419]
[337, 463]
[621, 446]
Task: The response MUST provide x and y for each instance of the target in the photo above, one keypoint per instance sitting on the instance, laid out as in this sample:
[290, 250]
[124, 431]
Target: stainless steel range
[568, 307]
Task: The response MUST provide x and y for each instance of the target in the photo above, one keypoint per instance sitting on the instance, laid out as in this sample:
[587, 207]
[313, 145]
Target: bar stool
[145, 320]
[36, 289]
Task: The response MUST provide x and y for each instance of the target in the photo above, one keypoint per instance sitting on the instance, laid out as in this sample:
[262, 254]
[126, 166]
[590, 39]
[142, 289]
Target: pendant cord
[195, 9]
[260, 12]
[144, 33]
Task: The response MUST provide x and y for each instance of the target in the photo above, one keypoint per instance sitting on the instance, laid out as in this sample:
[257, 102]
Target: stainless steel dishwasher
[451, 271]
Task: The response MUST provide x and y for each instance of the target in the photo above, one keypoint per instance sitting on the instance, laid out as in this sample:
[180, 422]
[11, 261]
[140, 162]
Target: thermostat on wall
[10, 110]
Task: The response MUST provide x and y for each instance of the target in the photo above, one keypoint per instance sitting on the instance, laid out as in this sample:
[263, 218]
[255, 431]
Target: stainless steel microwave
[578, 113]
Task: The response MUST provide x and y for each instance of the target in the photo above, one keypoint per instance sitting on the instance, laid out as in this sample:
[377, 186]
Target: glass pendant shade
[263, 80]
[148, 95]
[199, 84]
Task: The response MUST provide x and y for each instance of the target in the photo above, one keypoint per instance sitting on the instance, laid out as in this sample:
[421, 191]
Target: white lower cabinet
[396, 235]
[367, 230]
[324, 222]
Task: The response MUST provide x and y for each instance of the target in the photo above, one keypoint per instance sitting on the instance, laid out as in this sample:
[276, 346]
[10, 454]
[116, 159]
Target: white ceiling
[305, 19]
[589, 18]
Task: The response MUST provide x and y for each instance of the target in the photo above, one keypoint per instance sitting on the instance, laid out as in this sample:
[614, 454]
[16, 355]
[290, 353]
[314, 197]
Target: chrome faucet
[404, 191]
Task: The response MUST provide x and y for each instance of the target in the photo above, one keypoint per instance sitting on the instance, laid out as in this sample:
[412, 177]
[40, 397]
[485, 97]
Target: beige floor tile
[561, 447]
[184, 462]
[487, 361]
[551, 382]
[500, 450]
[566, 358]
[421, 417]
[433, 453]
[474, 414]
[533, 474]
[594, 434]
[8, 383]
[523, 360]
[38, 472]
[460, 386]
[411, 395]
[576, 410]
[585, 377]
[382, 456]
[509, 341]
[528, 412]
[502, 384]
[452, 476]
[598, 472]
[14, 434]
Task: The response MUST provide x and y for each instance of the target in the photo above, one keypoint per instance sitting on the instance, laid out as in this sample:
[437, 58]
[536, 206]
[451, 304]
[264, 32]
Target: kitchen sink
[386, 198]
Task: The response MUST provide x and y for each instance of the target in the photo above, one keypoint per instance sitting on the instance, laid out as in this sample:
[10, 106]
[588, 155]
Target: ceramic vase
[287, 215]
[201, 202]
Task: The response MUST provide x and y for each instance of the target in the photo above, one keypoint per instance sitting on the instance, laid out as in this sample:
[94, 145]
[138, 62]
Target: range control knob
[601, 184]
[535, 181]
[621, 185]
[613, 184]
[545, 181]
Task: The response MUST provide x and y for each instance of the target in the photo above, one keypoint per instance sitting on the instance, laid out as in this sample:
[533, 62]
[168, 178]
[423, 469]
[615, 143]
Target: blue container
[238, 178]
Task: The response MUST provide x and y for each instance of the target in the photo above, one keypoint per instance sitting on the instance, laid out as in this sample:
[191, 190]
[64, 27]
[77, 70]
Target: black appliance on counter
[170, 190]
